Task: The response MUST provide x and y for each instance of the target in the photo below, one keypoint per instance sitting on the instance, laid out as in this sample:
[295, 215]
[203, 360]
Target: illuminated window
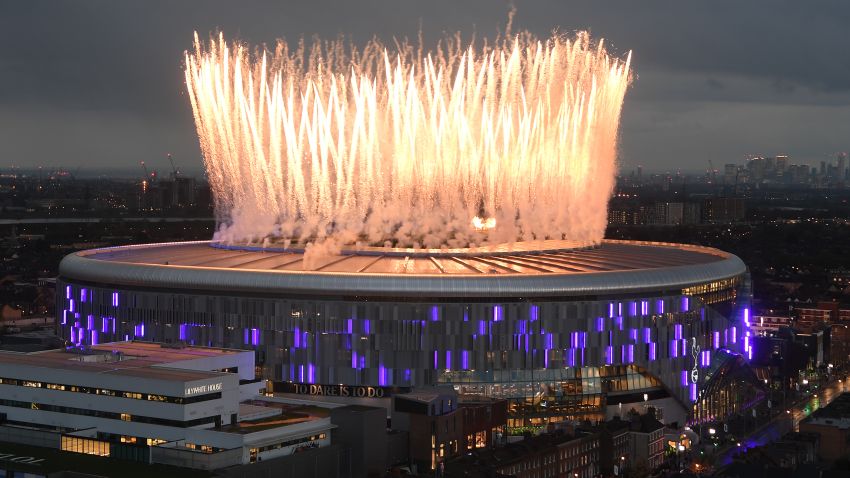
[126, 417]
[32, 384]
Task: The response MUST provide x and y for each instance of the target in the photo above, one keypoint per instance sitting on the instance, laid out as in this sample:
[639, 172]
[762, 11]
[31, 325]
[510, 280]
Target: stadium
[563, 332]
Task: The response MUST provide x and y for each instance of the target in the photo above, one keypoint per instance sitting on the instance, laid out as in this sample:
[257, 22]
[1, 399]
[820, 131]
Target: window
[126, 417]
[32, 384]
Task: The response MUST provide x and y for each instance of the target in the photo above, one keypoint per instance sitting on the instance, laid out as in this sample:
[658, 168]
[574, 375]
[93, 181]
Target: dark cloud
[100, 82]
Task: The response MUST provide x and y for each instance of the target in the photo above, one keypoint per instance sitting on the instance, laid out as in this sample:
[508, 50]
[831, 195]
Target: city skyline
[71, 99]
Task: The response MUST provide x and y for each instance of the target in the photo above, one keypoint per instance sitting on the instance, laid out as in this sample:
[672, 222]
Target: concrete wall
[327, 462]
[193, 459]
[31, 436]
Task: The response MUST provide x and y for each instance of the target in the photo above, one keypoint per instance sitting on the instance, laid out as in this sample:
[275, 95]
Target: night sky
[99, 84]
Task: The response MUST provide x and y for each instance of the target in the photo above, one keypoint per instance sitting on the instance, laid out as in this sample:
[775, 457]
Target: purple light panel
[534, 312]
[685, 304]
[435, 313]
[684, 378]
[497, 313]
[693, 392]
[652, 351]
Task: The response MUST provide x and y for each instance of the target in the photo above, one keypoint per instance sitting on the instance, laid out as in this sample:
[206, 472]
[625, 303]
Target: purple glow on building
[677, 331]
[632, 309]
[600, 324]
[747, 316]
[659, 306]
[631, 353]
[296, 338]
[583, 344]
[716, 339]
[611, 310]
[407, 374]
[466, 316]
[245, 338]
[255, 337]
[482, 328]
[67, 292]
[435, 313]
[497, 313]
[549, 341]
[674, 348]
[734, 334]
[647, 335]
[94, 337]
[571, 357]
[685, 304]
[522, 326]
[652, 351]
[546, 358]
[619, 308]
[464, 359]
[181, 332]
[349, 326]
[115, 299]
[619, 321]
[354, 363]
[435, 360]
[609, 355]
[644, 307]
[89, 322]
[684, 378]
[382, 375]
[693, 392]
[448, 359]
[84, 294]
[301, 373]
[633, 334]
[367, 326]
[534, 312]
[73, 335]
[139, 330]
[71, 305]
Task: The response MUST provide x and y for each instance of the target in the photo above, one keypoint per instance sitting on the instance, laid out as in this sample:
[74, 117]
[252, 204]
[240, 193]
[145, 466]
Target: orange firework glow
[405, 147]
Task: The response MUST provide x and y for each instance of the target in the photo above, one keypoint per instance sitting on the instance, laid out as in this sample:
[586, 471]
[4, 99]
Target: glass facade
[562, 356]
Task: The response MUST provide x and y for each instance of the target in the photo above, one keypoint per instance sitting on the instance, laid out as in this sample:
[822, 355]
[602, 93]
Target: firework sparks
[406, 148]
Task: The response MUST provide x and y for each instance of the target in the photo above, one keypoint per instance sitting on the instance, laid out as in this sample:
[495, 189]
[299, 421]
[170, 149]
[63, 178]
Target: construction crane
[145, 168]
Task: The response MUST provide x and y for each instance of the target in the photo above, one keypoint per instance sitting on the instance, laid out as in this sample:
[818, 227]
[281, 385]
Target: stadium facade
[562, 332]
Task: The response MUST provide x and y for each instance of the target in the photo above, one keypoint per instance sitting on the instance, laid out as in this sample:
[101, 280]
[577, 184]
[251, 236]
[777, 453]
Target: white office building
[197, 407]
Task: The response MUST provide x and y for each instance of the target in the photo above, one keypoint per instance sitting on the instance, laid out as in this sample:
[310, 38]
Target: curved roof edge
[78, 267]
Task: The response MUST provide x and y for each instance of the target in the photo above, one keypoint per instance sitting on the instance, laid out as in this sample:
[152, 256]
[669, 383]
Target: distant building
[832, 424]
[723, 209]
[769, 324]
[547, 455]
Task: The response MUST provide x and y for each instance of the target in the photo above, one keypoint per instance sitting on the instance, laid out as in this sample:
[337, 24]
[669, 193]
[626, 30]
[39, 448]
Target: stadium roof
[544, 268]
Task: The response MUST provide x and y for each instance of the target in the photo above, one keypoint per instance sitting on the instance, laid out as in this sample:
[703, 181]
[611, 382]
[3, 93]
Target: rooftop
[130, 359]
[525, 268]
